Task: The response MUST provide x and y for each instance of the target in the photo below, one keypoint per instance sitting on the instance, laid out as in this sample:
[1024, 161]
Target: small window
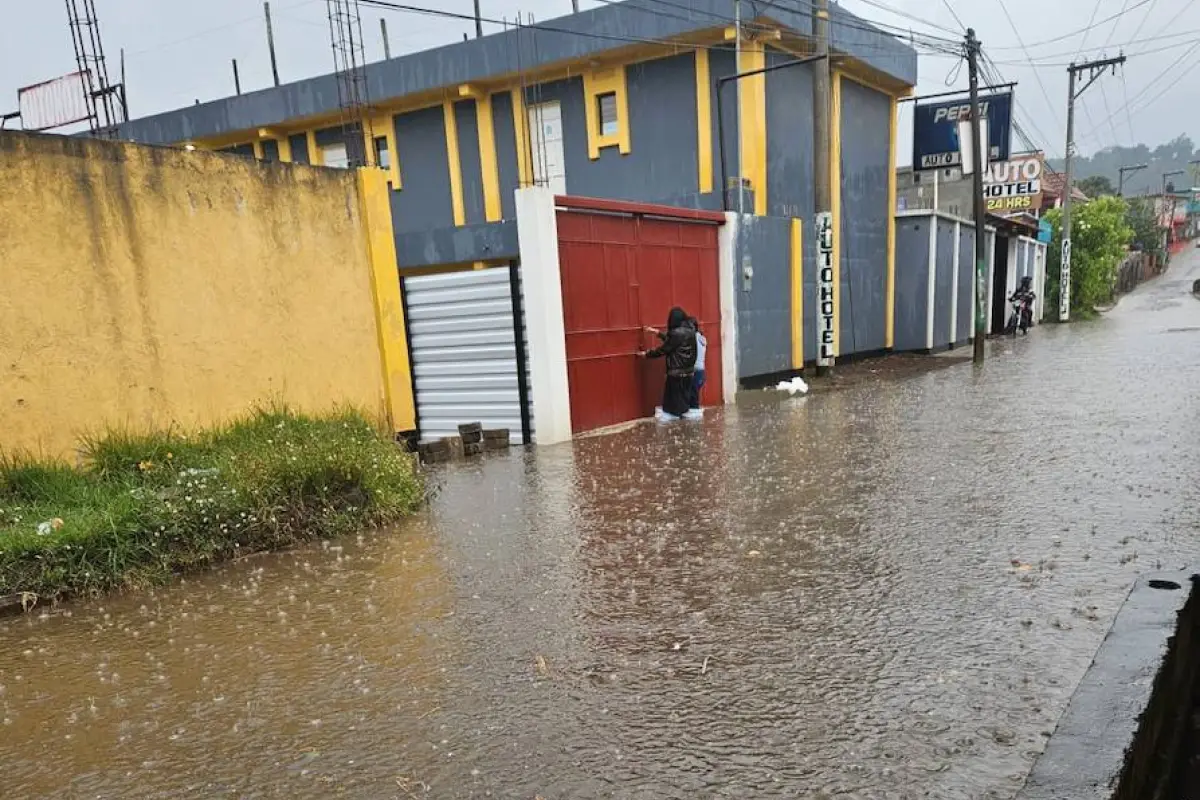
[916, 177]
[334, 155]
[383, 157]
[607, 106]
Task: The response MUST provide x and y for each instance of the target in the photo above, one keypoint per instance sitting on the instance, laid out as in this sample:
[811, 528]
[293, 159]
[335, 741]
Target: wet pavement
[889, 591]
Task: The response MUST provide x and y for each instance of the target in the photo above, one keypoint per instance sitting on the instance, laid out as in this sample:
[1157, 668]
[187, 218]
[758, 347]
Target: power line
[1036, 73]
[875, 26]
[954, 14]
[1145, 17]
[1113, 32]
[906, 15]
[1148, 86]
[1083, 39]
[1104, 21]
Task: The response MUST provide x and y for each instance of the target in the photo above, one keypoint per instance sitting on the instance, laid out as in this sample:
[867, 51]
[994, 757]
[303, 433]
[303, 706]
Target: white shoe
[694, 413]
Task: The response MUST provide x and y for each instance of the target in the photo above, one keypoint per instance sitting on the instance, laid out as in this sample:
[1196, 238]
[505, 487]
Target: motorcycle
[1022, 314]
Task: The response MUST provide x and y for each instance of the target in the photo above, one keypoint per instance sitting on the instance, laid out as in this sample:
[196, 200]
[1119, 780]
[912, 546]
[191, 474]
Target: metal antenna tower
[349, 61]
[105, 103]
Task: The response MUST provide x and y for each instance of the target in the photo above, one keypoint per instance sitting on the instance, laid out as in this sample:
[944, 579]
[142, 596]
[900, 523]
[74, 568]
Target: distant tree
[1096, 186]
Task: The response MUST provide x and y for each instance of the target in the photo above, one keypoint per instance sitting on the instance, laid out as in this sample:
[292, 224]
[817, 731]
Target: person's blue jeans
[697, 384]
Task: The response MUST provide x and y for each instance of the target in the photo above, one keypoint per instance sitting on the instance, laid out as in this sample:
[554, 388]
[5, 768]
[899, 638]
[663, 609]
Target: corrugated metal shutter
[463, 351]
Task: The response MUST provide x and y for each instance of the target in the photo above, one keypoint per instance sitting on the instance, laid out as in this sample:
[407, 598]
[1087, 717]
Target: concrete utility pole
[387, 46]
[979, 160]
[1094, 69]
[1121, 172]
[237, 81]
[271, 42]
[823, 188]
[478, 22]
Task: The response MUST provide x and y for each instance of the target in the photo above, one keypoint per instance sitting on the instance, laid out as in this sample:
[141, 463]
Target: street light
[1168, 174]
[1121, 176]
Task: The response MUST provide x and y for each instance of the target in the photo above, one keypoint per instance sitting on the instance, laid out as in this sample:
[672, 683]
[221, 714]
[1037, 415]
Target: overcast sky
[177, 51]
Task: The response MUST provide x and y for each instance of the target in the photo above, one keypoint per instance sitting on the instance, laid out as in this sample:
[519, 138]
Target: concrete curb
[1121, 735]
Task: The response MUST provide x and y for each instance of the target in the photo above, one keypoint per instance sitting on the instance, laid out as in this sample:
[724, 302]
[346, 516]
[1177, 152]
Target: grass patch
[145, 507]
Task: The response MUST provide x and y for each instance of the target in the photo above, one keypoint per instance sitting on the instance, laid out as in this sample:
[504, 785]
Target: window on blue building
[607, 107]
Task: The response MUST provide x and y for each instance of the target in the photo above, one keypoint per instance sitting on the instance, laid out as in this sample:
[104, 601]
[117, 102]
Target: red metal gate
[623, 266]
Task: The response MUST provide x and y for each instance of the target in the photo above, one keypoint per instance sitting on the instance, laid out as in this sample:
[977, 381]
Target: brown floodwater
[889, 591]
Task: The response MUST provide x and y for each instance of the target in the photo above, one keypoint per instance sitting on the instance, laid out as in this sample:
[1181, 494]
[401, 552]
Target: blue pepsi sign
[935, 130]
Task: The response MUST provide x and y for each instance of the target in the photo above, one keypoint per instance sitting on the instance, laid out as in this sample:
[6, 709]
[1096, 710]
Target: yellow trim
[389, 306]
[285, 149]
[597, 82]
[704, 147]
[454, 163]
[489, 167]
[258, 151]
[386, 127]
[315, 156]
[752, 124]
[521, 127]
[858, 73]
[796, 262]
[890, 305]
[835, 179]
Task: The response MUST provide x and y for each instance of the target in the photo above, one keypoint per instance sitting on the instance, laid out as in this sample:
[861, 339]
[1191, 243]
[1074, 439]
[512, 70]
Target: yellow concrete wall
[143, 287]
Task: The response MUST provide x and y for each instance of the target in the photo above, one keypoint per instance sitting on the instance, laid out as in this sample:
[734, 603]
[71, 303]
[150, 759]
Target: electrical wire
[1042, 62]
[954, 14]
[1145, 17]
[874, 26]
[1083, 39]
[1113, 32]
[1036, 73]
[1104, 21]
[1130, 104]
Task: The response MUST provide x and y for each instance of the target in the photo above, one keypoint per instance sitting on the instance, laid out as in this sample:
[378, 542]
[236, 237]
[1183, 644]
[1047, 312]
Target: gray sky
[178, 51]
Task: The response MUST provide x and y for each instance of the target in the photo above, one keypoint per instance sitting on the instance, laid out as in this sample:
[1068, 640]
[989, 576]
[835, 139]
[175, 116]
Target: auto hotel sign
[935, 130]
[1014, 186]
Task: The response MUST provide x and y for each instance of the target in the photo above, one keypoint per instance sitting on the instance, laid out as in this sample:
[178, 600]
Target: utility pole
[237, 82]
[271, 42]
[478, 22]
[823, 189]
[387, 46]
[1121, 171]
[979, 160]
[1094, 70]
[574, 6]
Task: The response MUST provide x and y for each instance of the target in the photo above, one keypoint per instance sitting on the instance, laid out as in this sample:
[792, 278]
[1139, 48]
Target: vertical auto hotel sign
[935, 130]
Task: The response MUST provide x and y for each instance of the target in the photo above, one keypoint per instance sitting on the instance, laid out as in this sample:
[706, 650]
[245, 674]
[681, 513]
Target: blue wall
[424, 202]
[943, 284]
[912, 283]
[467, 120]
[506, 152]
[764, 338]
[866, 122]
[966, 277]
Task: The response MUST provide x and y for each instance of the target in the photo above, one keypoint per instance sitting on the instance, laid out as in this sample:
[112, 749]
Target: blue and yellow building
[618, 102]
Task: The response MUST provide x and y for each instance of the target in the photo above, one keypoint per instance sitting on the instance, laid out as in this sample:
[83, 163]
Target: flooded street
[884, 592]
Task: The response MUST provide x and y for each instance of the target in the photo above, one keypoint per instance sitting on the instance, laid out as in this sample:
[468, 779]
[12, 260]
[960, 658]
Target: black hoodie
[678, 344]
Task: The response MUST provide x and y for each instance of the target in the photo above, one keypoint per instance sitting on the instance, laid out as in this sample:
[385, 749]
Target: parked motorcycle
[1022, 314]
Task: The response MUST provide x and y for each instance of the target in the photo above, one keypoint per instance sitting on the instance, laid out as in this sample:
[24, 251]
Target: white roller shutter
[463, 351]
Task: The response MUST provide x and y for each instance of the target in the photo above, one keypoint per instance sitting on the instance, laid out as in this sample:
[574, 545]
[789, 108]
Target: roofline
[578, 37]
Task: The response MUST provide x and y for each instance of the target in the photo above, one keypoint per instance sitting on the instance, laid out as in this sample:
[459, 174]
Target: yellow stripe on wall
[315, 156]
[521, 126]
[890, 307]
[488, 165]
[454, 163]
[752, 124]
[385, 291]
[835, 178]
[704, 145]
[285, 149]
[796, 261]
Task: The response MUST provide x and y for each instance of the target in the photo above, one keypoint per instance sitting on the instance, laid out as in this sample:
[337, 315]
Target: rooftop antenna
[349, 61]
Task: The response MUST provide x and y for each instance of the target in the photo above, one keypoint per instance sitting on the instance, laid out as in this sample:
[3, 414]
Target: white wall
[537, 236]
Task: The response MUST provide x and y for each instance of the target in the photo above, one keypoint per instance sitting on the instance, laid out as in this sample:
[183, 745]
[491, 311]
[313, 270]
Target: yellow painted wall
[150, 286]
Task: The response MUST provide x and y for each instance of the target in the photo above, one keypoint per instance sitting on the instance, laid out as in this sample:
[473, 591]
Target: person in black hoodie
[679, 349]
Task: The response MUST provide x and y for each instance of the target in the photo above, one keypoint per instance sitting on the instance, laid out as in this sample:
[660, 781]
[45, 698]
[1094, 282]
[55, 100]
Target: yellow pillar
[752, 123]
[704, 144]
[454, 163]
[521, 126]
[890, 308]
[489, 166]
[385, 290]
[796, 262]
[835, 178]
